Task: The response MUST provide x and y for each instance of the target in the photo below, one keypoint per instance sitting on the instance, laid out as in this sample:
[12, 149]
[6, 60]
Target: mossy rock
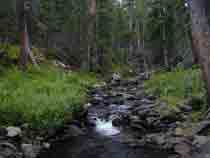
[167, 111]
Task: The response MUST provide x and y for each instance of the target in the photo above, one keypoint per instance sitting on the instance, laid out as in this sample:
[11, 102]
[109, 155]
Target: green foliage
[12, 51]
[177, 86]
[42, 98]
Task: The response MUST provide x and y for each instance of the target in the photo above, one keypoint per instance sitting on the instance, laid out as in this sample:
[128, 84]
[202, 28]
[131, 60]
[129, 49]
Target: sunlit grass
[176, 86]
[41, 98]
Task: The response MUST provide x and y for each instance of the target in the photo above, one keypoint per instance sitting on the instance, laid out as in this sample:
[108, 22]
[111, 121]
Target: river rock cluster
[14, 143]
[154, 123]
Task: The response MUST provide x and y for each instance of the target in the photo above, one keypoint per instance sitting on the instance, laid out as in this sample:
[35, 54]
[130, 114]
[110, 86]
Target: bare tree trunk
[24, 54]
[130, 11]
[193, 48]
[165, 53]
[91, 34]
[165, 49]
[201, 38]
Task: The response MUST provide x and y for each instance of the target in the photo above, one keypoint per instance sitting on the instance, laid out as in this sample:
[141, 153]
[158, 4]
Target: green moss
[196, 116]
[42, 98]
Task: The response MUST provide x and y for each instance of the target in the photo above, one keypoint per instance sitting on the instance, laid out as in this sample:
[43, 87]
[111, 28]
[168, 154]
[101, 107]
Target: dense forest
[104, 78]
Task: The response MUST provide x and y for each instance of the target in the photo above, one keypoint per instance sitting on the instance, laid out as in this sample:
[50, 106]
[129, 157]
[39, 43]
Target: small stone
[200, 140]
[183, 149]
[202, 126]
[30, 151]
[13, 131]
[179, 131]
[116, 77]
[46, 145]
[87, 106]
[138, 127]
[74, 131]
[186, 108]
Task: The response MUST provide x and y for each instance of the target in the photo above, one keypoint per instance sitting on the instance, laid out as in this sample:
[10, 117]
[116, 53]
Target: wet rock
[151, 97]
[116, 100]
[117, 121]
[102, 84]
[146, 101]
[134, 118]
[133, 81]
[158, 139]
[201, 127]
[183, 149]
[97, 100]
[87, 106]
[13, 131]
[8, 150]
[74, 131]
[142, 113]
[137, 126]
[128, 96]
[204, 151]
[30, 150]
[186, 108]
[179, 132]
[116, 77]
[143, 76]
[168, 114]
[200, 140]
[145, 107]
[140, 94]
[151, 121]
[46, 145]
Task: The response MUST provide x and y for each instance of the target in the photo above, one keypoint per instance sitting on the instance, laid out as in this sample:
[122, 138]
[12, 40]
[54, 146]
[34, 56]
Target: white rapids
[106, 128]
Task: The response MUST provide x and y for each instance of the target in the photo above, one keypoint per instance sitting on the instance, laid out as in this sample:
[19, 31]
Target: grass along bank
[43, 98]
[177, 86]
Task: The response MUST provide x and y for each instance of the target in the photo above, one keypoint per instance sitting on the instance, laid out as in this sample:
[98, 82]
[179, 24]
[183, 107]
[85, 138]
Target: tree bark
[24, 54]
[91, 43]
[193, 48]
[201, 38]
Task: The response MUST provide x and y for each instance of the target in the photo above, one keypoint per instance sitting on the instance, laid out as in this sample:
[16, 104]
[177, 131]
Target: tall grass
[177, 86]
[41, 98]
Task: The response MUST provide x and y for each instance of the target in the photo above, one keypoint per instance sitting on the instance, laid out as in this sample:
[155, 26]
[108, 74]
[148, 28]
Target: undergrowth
[43, 98]
[177, 86]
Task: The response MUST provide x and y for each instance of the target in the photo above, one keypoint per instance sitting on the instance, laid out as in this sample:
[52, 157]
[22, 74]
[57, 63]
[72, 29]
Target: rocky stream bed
[120, 121]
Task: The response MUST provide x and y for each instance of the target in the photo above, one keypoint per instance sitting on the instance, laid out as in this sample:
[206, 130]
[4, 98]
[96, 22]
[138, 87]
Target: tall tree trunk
[201, 36]
[91, 44]
[131, 22]
[24, 54]
[193, 48]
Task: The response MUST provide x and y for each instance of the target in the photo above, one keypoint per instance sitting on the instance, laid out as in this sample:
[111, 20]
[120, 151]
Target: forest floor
[120, 115]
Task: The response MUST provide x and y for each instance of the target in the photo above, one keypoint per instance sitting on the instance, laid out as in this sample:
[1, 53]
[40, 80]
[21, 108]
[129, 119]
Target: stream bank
[121, 121]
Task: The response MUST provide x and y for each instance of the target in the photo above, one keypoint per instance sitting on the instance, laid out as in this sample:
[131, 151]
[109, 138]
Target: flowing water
[106, 128]
[102, 141]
